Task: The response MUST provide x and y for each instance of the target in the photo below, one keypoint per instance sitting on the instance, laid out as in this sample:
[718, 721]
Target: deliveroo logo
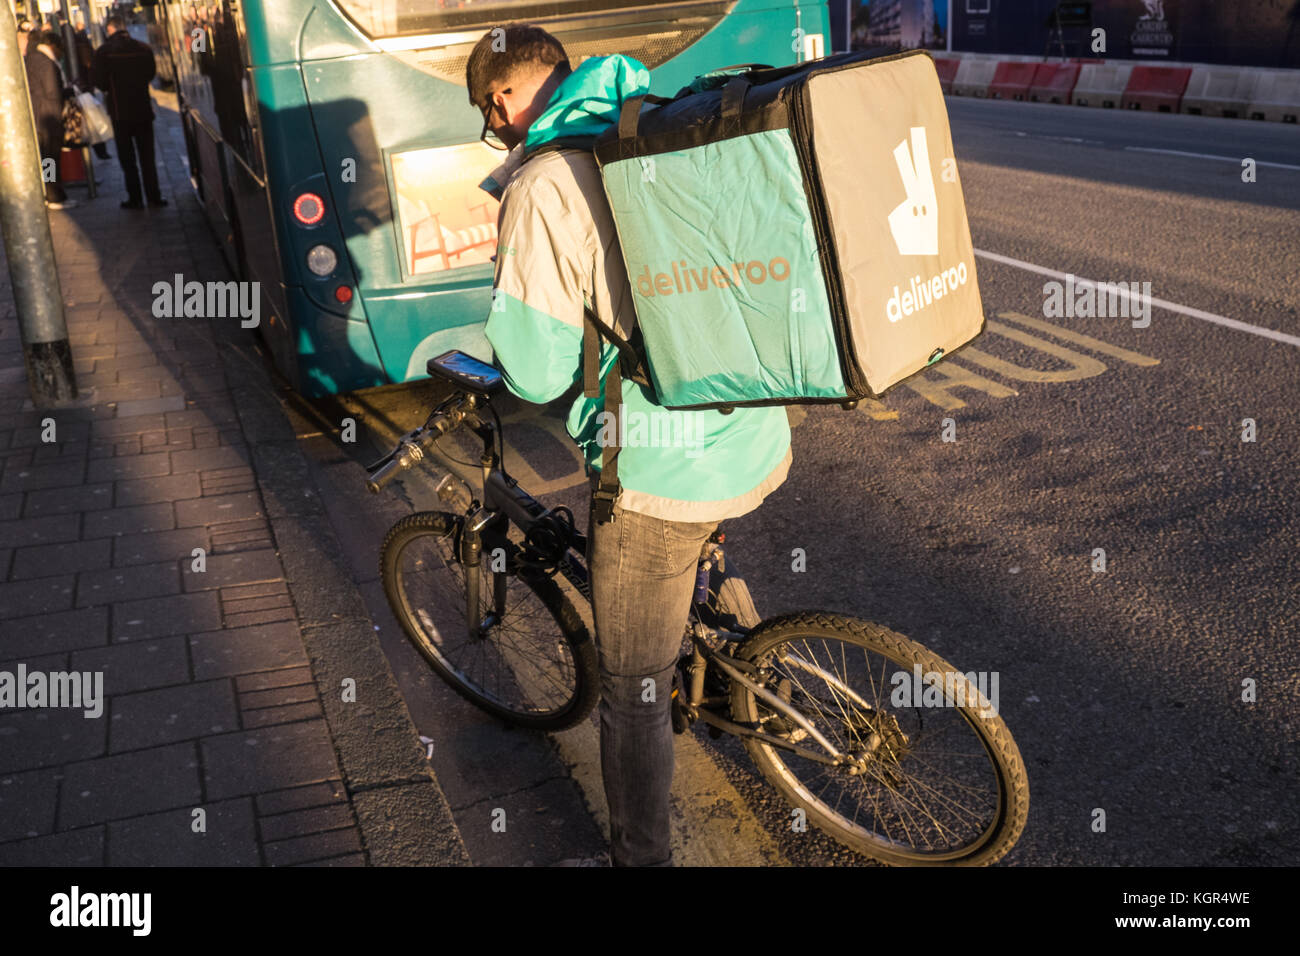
[915, 222]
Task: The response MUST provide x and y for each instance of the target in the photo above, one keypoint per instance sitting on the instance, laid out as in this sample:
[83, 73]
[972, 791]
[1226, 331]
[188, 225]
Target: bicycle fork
[471, 557]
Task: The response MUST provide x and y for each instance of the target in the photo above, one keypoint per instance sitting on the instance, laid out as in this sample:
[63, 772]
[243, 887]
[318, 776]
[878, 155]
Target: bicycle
[510, 640]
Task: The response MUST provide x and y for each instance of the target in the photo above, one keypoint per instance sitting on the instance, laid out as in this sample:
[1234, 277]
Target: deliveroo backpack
[793, 235]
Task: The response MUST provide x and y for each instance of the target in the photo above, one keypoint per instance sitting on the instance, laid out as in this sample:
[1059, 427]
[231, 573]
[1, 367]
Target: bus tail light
[343, 294]
[322, 260]
[309, 209]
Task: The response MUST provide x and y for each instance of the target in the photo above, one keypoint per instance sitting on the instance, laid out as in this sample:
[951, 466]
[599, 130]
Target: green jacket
[558, 250]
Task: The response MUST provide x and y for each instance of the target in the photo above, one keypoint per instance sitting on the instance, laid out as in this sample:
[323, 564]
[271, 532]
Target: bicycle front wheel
[932, 778]
[532, 664]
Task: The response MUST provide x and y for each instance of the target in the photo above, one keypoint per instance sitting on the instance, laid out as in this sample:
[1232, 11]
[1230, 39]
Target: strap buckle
[602, 503]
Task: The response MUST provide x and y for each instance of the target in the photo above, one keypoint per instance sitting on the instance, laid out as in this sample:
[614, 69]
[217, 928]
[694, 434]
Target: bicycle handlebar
[411, 447]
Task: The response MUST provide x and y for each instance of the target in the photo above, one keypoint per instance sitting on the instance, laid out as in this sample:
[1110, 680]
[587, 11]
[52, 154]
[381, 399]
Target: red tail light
[309, 209]
[343, 294]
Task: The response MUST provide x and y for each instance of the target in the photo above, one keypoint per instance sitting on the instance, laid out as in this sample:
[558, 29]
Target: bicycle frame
[505, 501]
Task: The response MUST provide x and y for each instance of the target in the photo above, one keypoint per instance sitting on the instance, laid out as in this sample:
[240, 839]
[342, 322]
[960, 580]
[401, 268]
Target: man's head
[114, 23]
[511, 73]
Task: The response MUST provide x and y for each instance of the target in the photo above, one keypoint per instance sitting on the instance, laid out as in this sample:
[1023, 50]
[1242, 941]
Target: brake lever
[382, 461]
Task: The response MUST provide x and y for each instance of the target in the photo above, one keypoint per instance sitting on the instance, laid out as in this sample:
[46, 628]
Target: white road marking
[1060, 139]
[1159, 303]
[1231, 159]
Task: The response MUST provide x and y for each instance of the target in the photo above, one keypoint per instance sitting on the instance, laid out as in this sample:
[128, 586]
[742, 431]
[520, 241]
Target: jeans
[136, 137]
[642, 580]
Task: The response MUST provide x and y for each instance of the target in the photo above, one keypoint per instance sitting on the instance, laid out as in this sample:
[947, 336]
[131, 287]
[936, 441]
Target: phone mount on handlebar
[467, 372]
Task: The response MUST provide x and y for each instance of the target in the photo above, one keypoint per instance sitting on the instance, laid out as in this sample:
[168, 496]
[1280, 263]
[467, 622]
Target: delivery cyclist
[558, 251]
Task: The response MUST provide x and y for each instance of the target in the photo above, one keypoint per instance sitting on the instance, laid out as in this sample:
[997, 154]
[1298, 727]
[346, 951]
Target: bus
[335, 153]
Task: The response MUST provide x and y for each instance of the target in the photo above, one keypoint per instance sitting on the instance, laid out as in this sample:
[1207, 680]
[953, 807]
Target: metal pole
[70, 44]
[25, 224]
[947, 30]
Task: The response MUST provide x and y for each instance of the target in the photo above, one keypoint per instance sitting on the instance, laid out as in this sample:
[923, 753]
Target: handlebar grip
[387, 473]
[404, 459]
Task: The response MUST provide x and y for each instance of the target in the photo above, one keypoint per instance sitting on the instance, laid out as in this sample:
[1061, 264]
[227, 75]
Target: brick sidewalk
[223, 687]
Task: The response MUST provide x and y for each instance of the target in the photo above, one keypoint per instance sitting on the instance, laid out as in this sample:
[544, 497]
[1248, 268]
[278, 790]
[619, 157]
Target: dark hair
[50, 38]
[498, 55]
[115, 20]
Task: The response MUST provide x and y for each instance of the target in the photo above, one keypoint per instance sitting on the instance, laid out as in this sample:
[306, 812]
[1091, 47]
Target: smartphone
[465, 371]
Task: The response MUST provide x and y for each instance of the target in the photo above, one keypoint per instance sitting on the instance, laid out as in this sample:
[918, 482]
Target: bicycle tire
[1007, 821]
[583, 684]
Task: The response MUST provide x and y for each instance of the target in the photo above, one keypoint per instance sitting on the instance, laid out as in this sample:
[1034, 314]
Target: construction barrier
[1101, 84]
[1194, 88]
[1011, 80]
[1276, 96]
[1158, 88]
[1220, 91]
[973, 77]
[947, 70]
[1053, 82]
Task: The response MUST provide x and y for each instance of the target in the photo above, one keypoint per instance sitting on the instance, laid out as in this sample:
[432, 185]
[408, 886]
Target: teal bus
[335, 152]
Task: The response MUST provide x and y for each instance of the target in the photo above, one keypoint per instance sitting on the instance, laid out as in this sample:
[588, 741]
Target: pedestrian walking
[46, 85]
[123, 68]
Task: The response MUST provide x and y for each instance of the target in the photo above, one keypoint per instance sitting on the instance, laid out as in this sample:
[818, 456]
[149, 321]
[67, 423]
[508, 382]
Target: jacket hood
[588, 101]
[584, 105]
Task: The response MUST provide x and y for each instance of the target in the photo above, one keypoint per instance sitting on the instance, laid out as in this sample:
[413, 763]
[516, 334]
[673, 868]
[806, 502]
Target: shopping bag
[74, 123]
[96, 125]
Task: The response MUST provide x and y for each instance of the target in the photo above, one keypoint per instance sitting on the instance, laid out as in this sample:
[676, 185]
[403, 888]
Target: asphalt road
[1123, 688]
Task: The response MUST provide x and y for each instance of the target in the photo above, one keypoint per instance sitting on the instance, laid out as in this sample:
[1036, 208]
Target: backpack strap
[629, 114]
[607, 485]
[631, 352]
[733, 101]
[590, 357]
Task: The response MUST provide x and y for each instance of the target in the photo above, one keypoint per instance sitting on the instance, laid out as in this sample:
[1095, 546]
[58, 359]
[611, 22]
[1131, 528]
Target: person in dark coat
[45, 83]
[86, 63]
[123, 68]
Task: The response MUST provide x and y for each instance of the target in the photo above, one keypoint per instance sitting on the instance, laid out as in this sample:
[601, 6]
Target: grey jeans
[642, 579]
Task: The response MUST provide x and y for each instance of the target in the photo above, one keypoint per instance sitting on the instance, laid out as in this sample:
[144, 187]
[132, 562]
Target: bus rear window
[381, 19]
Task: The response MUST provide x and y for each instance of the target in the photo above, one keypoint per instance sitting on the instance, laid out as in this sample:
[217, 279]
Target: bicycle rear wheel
[929, 784]
[534, 664]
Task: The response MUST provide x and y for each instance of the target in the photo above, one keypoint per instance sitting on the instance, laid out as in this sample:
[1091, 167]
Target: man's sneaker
[600, 859]
[157, 203]
[66, 204]
[132, 204]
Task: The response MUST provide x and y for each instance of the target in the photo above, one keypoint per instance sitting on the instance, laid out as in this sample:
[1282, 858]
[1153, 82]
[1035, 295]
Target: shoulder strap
[630, 351]
[607, 485]
[630, 113]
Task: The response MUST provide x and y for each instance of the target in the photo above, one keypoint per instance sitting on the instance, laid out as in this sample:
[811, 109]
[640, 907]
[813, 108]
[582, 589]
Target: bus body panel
[326, 110]
[321, 323]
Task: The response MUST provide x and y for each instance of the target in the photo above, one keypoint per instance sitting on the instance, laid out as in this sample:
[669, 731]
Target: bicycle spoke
[520, 661]
[916, 791]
